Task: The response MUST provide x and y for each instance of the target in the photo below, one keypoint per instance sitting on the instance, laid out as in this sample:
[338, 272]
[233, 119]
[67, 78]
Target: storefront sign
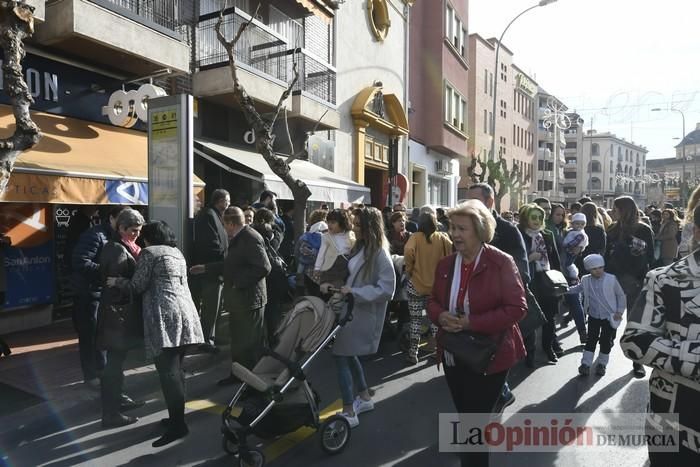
[526, 84]
[63, 89]
[28, 262]
[43, 85]
[126, 108]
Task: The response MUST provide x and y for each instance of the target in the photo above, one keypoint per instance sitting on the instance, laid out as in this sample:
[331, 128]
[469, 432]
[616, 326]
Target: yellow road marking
[288, 441]
[280, 445]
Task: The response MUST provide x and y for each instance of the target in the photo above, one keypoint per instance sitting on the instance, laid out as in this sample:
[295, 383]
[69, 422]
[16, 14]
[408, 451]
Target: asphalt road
[401, 431]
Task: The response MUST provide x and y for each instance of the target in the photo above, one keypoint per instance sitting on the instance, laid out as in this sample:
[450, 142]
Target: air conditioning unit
[443, 167]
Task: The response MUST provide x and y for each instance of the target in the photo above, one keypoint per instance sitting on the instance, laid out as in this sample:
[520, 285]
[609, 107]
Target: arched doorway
[377, 118]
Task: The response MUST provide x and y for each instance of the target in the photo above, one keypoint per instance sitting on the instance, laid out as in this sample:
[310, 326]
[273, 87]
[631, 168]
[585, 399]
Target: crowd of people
[435, 276]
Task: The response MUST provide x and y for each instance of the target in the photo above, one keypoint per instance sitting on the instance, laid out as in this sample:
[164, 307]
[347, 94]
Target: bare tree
[16, 24]
[497, 174]
[263, 128]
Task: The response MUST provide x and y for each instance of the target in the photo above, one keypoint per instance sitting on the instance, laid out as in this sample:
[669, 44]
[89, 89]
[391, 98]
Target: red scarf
[130, 245]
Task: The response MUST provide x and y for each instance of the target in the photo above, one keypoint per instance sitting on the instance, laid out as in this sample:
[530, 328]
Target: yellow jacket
[421, 258]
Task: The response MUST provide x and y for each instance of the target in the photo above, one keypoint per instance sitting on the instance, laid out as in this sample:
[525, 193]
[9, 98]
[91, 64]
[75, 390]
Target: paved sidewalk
[44, 370]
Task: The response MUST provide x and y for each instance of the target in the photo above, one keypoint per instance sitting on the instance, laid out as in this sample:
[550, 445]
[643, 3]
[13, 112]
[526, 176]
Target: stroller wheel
[335, 434]
[229, 446]
[252, 458]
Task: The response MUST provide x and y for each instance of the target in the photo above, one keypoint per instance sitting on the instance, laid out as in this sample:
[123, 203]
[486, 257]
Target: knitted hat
[593, 261]
[578, 217]
[318, 227]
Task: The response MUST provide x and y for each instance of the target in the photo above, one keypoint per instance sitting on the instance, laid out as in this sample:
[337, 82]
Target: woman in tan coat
[422, 253]
[668, 236]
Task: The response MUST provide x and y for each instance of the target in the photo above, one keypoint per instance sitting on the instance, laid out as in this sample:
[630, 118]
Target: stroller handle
[351, 303]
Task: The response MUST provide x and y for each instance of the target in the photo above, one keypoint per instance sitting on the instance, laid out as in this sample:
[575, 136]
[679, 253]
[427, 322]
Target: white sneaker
[352, 419]
[361, 406]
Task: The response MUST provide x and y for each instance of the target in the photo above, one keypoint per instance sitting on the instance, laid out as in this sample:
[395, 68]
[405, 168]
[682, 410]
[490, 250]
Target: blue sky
[611, 60]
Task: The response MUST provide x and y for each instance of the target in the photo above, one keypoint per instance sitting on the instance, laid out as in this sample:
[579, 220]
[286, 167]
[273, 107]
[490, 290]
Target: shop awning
[325, 186]
[79, 162]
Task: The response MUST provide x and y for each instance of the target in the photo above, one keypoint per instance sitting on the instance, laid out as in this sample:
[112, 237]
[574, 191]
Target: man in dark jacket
[85, 262]
[507, 237]
[268, 200]
[244, 271]
[509, 240]
[210, 246]
[286, 250]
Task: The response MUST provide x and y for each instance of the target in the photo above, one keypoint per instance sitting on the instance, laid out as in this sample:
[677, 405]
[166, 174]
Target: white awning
[325, 186]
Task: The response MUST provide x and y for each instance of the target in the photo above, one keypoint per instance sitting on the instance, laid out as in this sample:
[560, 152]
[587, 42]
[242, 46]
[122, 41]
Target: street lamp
[495, 72]
[683, 181]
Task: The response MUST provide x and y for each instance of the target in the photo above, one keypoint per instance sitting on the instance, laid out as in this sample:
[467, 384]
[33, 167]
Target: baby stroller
[275, 397]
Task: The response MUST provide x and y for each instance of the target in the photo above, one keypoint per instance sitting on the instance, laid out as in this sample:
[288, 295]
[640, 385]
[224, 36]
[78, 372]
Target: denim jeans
[350, 371]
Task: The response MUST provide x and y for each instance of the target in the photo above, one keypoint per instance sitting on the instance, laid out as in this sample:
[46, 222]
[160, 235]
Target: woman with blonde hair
[668, 236]
[422, 253]
[371, 282]
[686, 246]
[478, 289]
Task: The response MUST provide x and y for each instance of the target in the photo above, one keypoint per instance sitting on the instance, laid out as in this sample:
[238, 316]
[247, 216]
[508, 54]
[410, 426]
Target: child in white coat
[604, 302]
[332, 261]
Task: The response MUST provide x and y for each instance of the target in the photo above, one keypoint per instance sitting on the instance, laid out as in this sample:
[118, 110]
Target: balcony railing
[265, 52]
[166, 16]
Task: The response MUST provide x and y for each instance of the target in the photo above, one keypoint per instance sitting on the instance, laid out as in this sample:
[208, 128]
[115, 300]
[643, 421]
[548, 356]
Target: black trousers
[206, 293]
[92, 361]
[172, 382]
[112, 382]
[632, 287]
[599, 330]
[474, 393]
[550, 308]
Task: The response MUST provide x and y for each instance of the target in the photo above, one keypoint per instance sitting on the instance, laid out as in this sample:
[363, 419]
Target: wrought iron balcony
[167, 16]
[264, 52]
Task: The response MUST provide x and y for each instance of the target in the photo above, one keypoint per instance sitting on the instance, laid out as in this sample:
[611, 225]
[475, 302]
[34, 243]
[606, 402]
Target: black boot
[172, 433]
[4, 348]
[117, 420]
[551, 356]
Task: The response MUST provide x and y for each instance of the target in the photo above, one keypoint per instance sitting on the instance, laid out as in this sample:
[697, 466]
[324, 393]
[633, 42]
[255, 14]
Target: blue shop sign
[30, 277]
[67, 90]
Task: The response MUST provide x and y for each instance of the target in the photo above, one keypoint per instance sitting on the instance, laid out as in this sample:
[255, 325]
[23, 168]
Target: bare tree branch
[288, 91]
[263, 129]
[16, 24]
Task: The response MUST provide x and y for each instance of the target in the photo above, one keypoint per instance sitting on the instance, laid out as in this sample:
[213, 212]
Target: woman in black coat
[629, 253]
[118, 259]
[541, 248]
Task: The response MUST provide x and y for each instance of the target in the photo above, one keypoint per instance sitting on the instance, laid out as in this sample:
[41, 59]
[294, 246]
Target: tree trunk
[263, 129]
[16, 24]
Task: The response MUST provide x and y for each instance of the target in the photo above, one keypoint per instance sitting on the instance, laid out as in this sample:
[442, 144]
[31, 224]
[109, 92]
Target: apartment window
[595, 149]
[455, 108]
[490, 122]
[486, 81]
[439, 191]
[455, 31]
[486, 121]
[490, 84]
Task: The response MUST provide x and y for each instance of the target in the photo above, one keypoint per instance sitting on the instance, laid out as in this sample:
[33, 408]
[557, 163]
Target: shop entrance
[374, 180]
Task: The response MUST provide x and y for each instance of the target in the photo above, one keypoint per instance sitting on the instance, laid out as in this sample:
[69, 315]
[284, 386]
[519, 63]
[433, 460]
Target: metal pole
[683, 180]
[495, 81]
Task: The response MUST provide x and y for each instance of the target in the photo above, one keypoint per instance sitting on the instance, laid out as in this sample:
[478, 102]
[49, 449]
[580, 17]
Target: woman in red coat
[478, 288]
